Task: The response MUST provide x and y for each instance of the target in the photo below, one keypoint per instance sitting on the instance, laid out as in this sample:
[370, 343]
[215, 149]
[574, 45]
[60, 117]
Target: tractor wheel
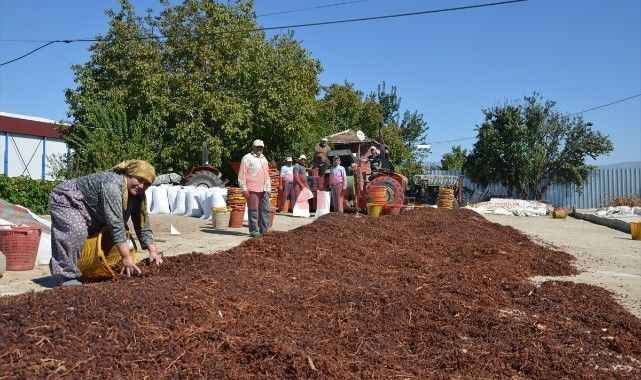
[204, 178]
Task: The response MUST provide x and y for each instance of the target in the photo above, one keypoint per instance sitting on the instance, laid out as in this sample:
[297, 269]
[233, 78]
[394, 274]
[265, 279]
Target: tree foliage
[107, 137]
[455, 159]
[345, 107]
[528, 146]
[213, 78]
[400, 135]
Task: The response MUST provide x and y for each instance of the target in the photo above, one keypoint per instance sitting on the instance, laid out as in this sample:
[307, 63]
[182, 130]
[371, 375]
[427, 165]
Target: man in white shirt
[254, 181]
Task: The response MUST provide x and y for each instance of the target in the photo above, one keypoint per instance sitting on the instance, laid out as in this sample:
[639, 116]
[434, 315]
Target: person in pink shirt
[337, 184]
[287, 183]
[254, 181]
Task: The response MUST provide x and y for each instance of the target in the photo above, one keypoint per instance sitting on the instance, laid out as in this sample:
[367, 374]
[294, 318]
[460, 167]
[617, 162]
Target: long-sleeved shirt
[103, 195]
[338, 176]
[254, 174]
[287, 173]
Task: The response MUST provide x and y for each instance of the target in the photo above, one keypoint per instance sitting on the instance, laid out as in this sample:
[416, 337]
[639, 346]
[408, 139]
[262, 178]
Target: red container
[236, 218]
[392, 209]
[20, 246]
[377, 195]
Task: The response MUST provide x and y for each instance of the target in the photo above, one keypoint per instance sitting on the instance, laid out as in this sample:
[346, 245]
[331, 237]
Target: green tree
[400, 135]
[344, 107]
[530, 145]
[212, 78]
[105, 138]
[454, 160]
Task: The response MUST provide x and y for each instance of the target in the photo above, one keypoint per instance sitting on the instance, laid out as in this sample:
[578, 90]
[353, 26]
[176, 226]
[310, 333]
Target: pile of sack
[517, 207]
[185, 200]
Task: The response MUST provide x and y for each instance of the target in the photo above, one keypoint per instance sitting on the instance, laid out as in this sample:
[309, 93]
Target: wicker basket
[20, 246]
[99, 257]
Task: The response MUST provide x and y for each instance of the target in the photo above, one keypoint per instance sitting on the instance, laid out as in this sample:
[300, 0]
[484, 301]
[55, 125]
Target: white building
[27, 143]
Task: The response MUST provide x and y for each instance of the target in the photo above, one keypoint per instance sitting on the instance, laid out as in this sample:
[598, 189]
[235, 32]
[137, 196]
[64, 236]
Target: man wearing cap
[286, 183]
[321, 156]
[300, 176]
[254, 181]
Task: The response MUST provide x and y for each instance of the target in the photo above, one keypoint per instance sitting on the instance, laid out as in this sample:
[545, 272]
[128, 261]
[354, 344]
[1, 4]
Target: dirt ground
[606, 257]
[196, 235]
[428, 294]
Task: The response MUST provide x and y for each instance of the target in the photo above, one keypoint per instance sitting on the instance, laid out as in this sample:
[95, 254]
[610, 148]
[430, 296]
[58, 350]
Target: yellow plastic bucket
[635, 230]
[94, 264]
[374, 209]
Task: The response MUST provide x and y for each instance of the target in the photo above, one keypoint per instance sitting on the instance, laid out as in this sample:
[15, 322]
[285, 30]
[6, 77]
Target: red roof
[26, 125]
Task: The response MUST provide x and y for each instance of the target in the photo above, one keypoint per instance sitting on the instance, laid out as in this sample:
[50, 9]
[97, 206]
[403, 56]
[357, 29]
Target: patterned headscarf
[137, 168]
[140, 169]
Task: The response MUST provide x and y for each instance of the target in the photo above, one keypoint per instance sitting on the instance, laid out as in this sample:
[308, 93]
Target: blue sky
[580, 53]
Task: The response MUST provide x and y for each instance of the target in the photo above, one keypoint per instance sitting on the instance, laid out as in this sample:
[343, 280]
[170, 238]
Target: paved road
[606, 257]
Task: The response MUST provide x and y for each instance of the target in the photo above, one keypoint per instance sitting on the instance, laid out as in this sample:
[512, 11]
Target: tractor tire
[204, 178]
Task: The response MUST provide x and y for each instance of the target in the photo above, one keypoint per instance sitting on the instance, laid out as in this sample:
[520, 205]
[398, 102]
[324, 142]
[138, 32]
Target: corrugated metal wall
[601, 187]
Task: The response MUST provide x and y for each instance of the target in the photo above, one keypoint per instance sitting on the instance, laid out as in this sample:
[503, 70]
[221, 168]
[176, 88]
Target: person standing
[300, 176]
[338, 184]
[321, 156]
[286, 183]
[254, 181]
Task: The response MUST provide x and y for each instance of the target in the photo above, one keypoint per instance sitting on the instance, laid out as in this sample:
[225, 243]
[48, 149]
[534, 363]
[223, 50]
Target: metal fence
[600, 188]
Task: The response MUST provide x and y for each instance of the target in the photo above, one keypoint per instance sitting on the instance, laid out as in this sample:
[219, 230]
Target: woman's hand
[129, 267]
[154, 255]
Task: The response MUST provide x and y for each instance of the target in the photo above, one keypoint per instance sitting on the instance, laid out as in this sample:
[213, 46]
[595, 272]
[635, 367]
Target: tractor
[364, 173]
[204, 175]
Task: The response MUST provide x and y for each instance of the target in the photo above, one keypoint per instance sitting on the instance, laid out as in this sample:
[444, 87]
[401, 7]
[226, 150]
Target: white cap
[302, 157]
[288, 159]
[258, 143]
[324, 139]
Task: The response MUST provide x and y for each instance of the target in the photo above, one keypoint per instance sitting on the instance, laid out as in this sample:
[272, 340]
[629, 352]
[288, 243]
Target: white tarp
[518, 207]
[618, 211]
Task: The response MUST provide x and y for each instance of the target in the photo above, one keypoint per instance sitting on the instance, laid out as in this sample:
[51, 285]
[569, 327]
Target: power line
[323, 6]
[331, 5]
[452, 140]
[576, 113]
[608, 104]
[28, 53]
[293, 26]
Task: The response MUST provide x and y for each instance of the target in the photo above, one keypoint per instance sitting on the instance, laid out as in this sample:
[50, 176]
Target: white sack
[323, 202]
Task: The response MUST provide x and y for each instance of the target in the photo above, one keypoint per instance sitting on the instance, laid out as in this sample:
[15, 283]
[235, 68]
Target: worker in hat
[321, 156]
[337, 184]
[255, 183]
[300, 176]
[286, 183]
[84, 206]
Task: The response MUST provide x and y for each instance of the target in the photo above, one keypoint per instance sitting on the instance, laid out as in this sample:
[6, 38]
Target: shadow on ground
[46, 281]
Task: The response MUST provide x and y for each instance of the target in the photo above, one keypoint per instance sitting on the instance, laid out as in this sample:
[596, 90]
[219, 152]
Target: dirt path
[606, 257]
[197, 235]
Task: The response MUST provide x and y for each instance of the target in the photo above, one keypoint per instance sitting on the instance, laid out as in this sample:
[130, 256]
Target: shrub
[24, 191]
[632, 201]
